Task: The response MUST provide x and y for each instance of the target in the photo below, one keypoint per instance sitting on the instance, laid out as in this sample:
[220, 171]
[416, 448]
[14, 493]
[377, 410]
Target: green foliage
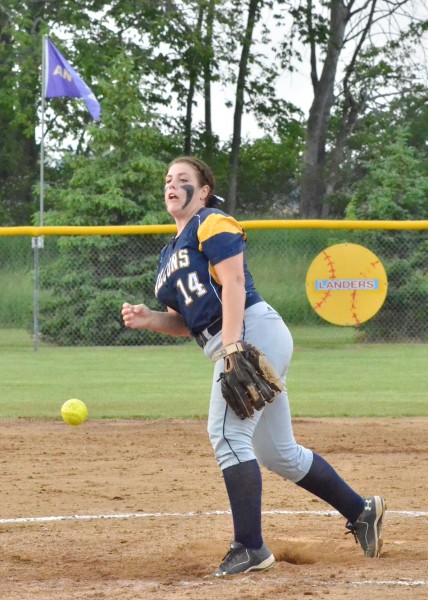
[19, 80]
[375, 132]
[118, 182]
[88, 283]
[268, 173]
[174, 66]
[22, 24]
[152, 55]
[396, 188]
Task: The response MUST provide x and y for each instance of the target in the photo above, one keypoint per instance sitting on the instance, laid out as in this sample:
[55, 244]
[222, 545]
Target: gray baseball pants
[269, 436]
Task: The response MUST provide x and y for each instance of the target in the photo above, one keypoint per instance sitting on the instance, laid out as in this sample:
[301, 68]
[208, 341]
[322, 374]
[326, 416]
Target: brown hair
[203, 172]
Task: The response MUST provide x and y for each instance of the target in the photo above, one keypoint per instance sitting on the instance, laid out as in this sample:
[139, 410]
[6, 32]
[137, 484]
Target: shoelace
[227, 558]
[352, 530]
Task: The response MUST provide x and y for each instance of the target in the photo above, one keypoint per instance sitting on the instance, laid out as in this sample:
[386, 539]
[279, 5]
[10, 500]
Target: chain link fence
[82, 281]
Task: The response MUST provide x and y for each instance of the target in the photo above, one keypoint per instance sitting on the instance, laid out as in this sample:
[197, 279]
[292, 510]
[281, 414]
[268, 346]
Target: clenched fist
[135, 316]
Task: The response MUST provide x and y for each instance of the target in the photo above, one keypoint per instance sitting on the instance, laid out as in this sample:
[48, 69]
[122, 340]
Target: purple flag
[62, 80]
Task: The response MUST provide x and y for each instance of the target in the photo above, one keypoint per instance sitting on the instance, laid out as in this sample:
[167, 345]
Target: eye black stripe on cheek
[189, 193]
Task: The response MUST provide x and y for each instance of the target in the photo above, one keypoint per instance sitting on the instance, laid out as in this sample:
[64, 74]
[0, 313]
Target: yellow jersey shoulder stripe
[215, 224]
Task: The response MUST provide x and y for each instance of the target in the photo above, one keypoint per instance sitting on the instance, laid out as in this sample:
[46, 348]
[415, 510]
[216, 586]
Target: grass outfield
[331, 375]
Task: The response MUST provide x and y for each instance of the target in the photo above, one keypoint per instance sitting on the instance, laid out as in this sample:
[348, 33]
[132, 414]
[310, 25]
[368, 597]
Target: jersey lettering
[172, 265]
[187, 298]
[186, 279]
[193, 285]
[178, 260]
[183, 258]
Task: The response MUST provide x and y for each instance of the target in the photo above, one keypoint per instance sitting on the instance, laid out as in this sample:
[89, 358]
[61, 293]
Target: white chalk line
[176, 515]
[322, 513]
[398, 582]
[280, 581]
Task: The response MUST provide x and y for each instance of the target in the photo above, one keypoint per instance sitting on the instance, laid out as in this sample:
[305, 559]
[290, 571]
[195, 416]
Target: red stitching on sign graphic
[330, 264]
[322, 301]
[354, 307]
[332, 273]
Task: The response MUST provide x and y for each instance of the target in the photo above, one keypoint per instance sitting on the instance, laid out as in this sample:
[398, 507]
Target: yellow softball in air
[74, 412]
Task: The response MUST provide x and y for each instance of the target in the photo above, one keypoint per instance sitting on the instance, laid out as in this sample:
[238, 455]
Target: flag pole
[69, 84]
[37, 242]
[42, 144]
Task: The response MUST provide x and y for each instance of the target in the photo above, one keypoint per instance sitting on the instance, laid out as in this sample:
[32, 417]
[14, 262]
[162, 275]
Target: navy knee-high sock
[323, 481]
[244, 488]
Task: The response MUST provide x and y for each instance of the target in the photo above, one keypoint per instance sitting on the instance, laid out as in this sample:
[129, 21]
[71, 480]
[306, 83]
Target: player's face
[183, 192]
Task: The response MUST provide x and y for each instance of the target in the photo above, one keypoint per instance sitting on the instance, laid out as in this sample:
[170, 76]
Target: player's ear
[205, 193]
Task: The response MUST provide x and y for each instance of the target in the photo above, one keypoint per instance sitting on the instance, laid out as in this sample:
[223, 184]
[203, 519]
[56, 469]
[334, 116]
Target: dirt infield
[151, 516]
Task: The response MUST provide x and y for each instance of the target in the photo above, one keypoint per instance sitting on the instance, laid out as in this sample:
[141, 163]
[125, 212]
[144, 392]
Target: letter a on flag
[62, 80]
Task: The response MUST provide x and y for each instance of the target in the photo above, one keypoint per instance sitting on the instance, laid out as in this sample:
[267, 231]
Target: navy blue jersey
[186, 279]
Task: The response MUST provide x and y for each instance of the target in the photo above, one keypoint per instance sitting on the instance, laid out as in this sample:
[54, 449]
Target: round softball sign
[346, 284]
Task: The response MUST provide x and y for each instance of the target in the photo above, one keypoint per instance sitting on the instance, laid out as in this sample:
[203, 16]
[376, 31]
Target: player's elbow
[236, 281]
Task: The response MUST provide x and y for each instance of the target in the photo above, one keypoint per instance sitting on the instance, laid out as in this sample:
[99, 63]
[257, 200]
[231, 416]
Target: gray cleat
[367, 529]
[242, 560]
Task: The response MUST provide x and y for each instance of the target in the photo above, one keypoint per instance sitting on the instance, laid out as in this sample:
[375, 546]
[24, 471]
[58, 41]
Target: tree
[269, 170]
[253, 15]
[22, 25]
[117, 182]
[208, 135]
[395, 186]
[175, 41]
[18, 79]
[178, 49]
[260, 65]
[374, 131]
[186, 42]
[370, 73]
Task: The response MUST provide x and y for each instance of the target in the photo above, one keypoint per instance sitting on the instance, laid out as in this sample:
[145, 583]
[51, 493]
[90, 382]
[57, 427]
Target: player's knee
[229, 451]
[292, 466]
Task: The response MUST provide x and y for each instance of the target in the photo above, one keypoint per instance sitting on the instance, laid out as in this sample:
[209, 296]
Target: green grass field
[16, 297]
[331, 375]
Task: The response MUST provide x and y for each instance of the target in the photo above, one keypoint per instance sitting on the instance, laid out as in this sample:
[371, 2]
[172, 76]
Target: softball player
[209, 294]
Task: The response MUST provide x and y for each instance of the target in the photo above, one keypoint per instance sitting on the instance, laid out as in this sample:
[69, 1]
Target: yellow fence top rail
[332, 224]
[168, 229]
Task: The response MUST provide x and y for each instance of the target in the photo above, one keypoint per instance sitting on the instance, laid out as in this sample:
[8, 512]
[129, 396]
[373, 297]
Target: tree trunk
[352, 108]
[18, 149]
[194, 60]
[313, 185]
[253, 14]
[350, 116]
[208, 53]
